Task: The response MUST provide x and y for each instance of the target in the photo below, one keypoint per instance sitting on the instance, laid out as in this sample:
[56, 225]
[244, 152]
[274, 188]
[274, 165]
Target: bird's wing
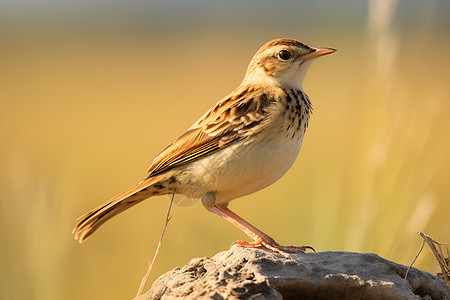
[232, 119]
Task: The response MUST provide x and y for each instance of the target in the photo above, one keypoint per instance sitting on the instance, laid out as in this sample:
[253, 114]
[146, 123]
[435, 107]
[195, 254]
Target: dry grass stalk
[441, 258]
[150, 266]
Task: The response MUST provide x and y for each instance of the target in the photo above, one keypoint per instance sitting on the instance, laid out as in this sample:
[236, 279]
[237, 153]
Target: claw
[275, 247]
[260, 238]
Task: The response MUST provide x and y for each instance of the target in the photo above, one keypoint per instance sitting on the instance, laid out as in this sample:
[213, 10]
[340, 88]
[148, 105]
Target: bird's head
[283, 62]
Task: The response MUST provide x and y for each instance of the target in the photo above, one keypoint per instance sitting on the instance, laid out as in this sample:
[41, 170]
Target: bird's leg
[260, 238]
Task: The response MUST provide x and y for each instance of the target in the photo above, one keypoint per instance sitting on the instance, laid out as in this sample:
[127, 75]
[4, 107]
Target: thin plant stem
[420, 251]
[150, 266]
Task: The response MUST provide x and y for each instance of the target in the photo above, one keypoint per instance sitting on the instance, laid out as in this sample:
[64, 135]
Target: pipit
[244, 143]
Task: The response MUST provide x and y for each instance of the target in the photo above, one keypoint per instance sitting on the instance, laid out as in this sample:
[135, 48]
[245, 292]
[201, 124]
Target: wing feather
[232, 119]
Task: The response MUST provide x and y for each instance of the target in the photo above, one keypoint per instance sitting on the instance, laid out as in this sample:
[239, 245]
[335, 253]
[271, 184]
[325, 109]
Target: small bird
[244, 143]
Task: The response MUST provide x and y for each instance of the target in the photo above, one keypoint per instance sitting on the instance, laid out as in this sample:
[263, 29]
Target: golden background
[91, 92]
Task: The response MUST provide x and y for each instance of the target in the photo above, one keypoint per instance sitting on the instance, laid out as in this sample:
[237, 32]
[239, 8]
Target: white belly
[243, 168]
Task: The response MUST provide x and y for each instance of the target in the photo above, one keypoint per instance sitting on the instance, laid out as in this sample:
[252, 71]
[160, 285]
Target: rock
[257, 274]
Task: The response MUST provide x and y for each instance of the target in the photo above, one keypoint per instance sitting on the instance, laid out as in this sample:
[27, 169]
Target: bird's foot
[260, 238]
[275, 247]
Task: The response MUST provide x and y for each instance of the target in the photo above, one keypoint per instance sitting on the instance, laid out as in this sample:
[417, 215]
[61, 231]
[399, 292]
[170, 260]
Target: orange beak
[316, 53]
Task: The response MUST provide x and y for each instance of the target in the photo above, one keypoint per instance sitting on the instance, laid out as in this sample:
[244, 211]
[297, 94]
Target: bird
[244, 143]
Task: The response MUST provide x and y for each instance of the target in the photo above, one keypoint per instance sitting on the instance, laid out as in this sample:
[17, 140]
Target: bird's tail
[91, 221]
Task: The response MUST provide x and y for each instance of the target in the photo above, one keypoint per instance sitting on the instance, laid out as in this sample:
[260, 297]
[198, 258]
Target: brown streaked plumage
[244, 143]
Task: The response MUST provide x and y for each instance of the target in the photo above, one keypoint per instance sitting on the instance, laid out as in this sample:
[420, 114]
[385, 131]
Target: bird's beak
[316, 53]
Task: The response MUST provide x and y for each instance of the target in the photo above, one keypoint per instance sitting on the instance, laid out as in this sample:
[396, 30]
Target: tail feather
[91, 221]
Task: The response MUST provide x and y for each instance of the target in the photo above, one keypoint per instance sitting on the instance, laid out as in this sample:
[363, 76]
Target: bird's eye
[284, 55]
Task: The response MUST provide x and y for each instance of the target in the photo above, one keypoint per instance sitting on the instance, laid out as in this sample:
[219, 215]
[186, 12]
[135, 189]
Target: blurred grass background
[92, 91]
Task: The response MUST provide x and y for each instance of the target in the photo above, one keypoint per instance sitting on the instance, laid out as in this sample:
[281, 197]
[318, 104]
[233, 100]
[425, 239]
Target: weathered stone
[257, 274]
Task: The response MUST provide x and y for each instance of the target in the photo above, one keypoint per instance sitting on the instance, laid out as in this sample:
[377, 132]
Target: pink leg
[260, 238]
